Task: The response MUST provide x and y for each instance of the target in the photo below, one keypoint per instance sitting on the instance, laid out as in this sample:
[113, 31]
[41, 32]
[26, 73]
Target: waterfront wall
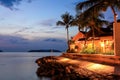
[107, 59]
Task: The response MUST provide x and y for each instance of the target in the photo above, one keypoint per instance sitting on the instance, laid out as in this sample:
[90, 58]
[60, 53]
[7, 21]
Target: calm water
[20, 66]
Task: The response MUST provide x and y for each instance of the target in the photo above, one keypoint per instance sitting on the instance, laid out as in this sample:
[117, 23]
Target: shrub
[88, 50]
[109, 52]
[70, 51]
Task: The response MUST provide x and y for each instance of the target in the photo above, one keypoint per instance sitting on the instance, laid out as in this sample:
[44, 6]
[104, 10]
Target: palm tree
[93, 22]
[100, 5]
[81, 24]
[97, 6]
[66, 21]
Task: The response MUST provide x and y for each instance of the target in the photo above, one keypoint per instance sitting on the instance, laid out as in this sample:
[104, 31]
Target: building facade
[100, 43]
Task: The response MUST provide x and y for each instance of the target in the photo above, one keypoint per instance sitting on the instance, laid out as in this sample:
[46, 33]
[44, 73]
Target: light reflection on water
[20, 66]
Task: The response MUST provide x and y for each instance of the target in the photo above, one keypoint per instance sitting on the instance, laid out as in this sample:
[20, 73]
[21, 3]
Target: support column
[116, 34]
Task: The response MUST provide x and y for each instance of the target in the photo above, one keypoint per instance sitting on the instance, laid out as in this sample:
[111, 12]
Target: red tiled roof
[78, 36]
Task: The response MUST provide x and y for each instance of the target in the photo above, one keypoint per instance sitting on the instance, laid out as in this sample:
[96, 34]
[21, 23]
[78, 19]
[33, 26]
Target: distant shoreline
[46, 50]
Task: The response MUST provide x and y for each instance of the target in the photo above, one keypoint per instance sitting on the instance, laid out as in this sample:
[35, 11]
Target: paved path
[92, 66]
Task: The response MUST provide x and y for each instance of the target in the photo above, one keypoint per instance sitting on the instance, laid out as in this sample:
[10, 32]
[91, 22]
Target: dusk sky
[31, 24]
[26, 24]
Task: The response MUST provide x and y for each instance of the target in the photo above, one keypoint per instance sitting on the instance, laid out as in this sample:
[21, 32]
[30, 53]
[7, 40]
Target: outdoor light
[65, 59]
[96, 66]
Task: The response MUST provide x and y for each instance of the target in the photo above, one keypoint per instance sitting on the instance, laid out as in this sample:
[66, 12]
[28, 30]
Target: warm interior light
[72, 46]
[102, 44]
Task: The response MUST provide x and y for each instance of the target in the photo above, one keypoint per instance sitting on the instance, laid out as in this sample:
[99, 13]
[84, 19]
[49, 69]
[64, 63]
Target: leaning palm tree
[93, 22]
[99, 6]
[86, 21]
[66, 21]
[81, 24]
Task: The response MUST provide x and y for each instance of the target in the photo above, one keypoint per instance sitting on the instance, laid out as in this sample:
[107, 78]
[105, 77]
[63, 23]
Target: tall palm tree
[81, 24]
[93, 22]
[102, 5]
[66, 21]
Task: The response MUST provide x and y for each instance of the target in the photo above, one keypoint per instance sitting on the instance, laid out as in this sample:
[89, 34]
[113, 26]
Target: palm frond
[60, 23]
[86, 4]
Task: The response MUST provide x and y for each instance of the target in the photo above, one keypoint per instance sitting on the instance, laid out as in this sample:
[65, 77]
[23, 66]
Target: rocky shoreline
[51, 66]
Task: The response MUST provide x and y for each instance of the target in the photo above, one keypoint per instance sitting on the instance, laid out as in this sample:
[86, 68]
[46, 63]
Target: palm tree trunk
[85, 38]
[115, 23]
[93, 36]
[68, 39]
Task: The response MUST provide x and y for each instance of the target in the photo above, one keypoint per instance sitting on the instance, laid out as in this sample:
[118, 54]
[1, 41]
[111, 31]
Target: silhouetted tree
[66, 21]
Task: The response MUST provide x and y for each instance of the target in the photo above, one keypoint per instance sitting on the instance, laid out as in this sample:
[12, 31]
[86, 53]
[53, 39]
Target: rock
[50, 67]
[67, 70]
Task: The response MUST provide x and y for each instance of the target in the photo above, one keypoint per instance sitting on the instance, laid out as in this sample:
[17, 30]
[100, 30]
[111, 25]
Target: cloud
[16, 43]
[49, 32]
[53, 40]
[49, 22]
[10, 3]
[58, 27]
[12, 39]
[23, 29]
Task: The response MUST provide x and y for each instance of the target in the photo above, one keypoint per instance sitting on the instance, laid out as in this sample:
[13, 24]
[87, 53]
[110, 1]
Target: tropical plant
[81, 24]
[98, 6]
[66, 21]
[93, 22]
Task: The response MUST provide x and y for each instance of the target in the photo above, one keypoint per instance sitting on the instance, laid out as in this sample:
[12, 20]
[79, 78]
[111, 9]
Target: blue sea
[21, 65]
